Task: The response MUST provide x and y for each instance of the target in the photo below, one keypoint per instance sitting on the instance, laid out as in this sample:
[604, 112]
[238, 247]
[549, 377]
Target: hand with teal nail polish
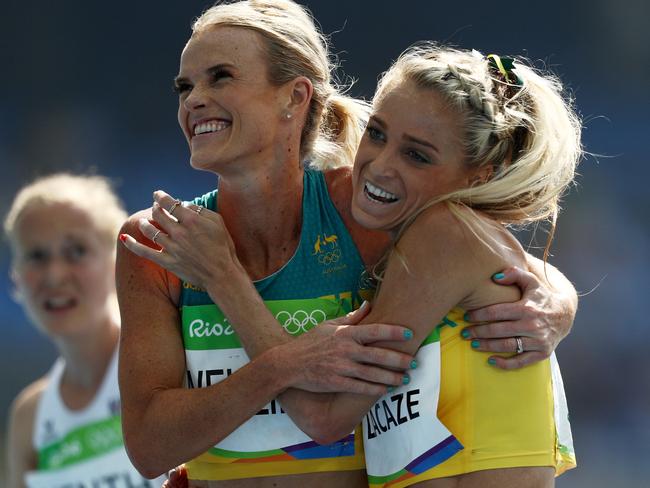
[498, 276]
[475, 344]
[414, 364]
[406, 379]
[465, 334]
[408, 334]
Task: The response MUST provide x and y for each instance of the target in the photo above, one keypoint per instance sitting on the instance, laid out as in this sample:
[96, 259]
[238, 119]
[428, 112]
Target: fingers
[352, 385]
[385, 358]
[369, 380]
[177, 478]
[166, 201]
[496, 330]
[373, 374]
[508, 311]
[516, 276]
[153, 233]
[504, 345]
[179, 211]
[140, 249]
[517, 361]
[163, 218]
[368, 333]
[495, 313]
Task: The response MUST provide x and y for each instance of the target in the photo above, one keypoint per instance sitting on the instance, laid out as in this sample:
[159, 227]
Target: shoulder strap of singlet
[51, 406]
[207, 200]
[108, 394]
[49, 401]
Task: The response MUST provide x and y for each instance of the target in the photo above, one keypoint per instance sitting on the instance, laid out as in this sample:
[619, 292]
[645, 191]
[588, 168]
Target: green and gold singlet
[319, 282]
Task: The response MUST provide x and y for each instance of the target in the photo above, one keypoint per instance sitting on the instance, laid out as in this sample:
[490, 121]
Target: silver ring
[155, 236]
[520, 345]
[199, 210]
[176, 204]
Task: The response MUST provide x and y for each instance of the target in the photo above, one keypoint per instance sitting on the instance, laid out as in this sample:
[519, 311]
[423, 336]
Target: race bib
[213, 352]
[112, 470]
[402, 435]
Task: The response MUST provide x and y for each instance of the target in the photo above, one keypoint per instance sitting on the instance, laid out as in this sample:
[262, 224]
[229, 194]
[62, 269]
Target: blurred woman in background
[64, 428]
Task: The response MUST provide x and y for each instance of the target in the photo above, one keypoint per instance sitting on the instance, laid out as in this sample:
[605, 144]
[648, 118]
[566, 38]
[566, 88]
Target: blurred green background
[88, 84]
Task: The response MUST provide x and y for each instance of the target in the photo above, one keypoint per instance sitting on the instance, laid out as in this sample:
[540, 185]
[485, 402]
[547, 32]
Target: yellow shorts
[504, 419]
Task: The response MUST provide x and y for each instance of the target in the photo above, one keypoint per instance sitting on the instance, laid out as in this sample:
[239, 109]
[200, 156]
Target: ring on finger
[520, 345]
[176, 204]
[155, 236]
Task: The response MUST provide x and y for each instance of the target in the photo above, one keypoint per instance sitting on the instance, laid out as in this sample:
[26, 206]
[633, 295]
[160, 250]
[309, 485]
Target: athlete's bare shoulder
[142, 274]
[21, 456]
[24, 405]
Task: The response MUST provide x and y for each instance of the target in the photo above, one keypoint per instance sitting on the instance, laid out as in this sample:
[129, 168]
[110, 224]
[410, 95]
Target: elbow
[329, 436]
[143, 457]
[324, 430]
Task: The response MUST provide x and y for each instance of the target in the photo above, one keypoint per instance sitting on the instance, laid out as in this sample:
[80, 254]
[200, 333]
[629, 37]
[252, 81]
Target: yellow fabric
[207, 467]
[504, 419]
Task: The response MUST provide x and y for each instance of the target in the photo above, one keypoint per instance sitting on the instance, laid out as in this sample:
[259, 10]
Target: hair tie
[505, 66]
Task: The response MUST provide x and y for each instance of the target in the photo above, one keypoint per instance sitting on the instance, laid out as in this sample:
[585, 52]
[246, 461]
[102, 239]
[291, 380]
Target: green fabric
[81, 444]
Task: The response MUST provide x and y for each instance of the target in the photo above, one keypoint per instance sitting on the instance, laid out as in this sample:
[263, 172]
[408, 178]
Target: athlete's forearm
[179, 424]
[255, 325]
[164, 423]
[328, 411]
[322, 416]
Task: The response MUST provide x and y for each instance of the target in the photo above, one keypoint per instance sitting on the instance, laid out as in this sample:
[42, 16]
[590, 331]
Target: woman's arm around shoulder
[437, 264]
[21, 456]
[542, 317]
[164, 423]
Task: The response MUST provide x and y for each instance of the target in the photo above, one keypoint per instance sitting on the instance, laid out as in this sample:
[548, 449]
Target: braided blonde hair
[529, 135]
[295, 47]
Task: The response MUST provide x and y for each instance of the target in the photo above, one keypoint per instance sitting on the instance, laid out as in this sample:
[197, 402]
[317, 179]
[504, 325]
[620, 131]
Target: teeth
[379, 193]
[58, 302]
[211, 126]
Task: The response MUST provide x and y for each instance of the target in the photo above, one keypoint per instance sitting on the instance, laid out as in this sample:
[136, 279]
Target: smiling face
[410, 154]
[227, 108]
[63, 269]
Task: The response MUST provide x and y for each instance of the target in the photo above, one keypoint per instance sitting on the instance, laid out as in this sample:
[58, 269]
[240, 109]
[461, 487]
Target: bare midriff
[348, 479]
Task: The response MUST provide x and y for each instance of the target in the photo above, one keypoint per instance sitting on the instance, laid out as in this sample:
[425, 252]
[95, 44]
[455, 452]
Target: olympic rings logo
[330, 257]
[300, 320]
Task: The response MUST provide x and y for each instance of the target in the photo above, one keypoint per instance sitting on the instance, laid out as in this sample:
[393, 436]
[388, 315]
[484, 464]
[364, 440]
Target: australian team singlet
[82, 448]
[318, 283]
[499, 419]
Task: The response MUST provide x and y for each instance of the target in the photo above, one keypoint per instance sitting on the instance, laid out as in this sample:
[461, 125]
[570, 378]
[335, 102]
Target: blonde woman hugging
[458, 146]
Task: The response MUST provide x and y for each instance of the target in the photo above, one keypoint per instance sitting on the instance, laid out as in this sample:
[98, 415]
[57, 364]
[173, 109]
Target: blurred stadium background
[88, 85]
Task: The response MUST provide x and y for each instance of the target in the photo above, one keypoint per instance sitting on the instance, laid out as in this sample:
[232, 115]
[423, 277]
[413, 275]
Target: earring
[287, 115]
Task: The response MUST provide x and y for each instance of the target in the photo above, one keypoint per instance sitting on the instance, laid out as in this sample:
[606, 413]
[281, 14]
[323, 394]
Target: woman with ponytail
[258, 107]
